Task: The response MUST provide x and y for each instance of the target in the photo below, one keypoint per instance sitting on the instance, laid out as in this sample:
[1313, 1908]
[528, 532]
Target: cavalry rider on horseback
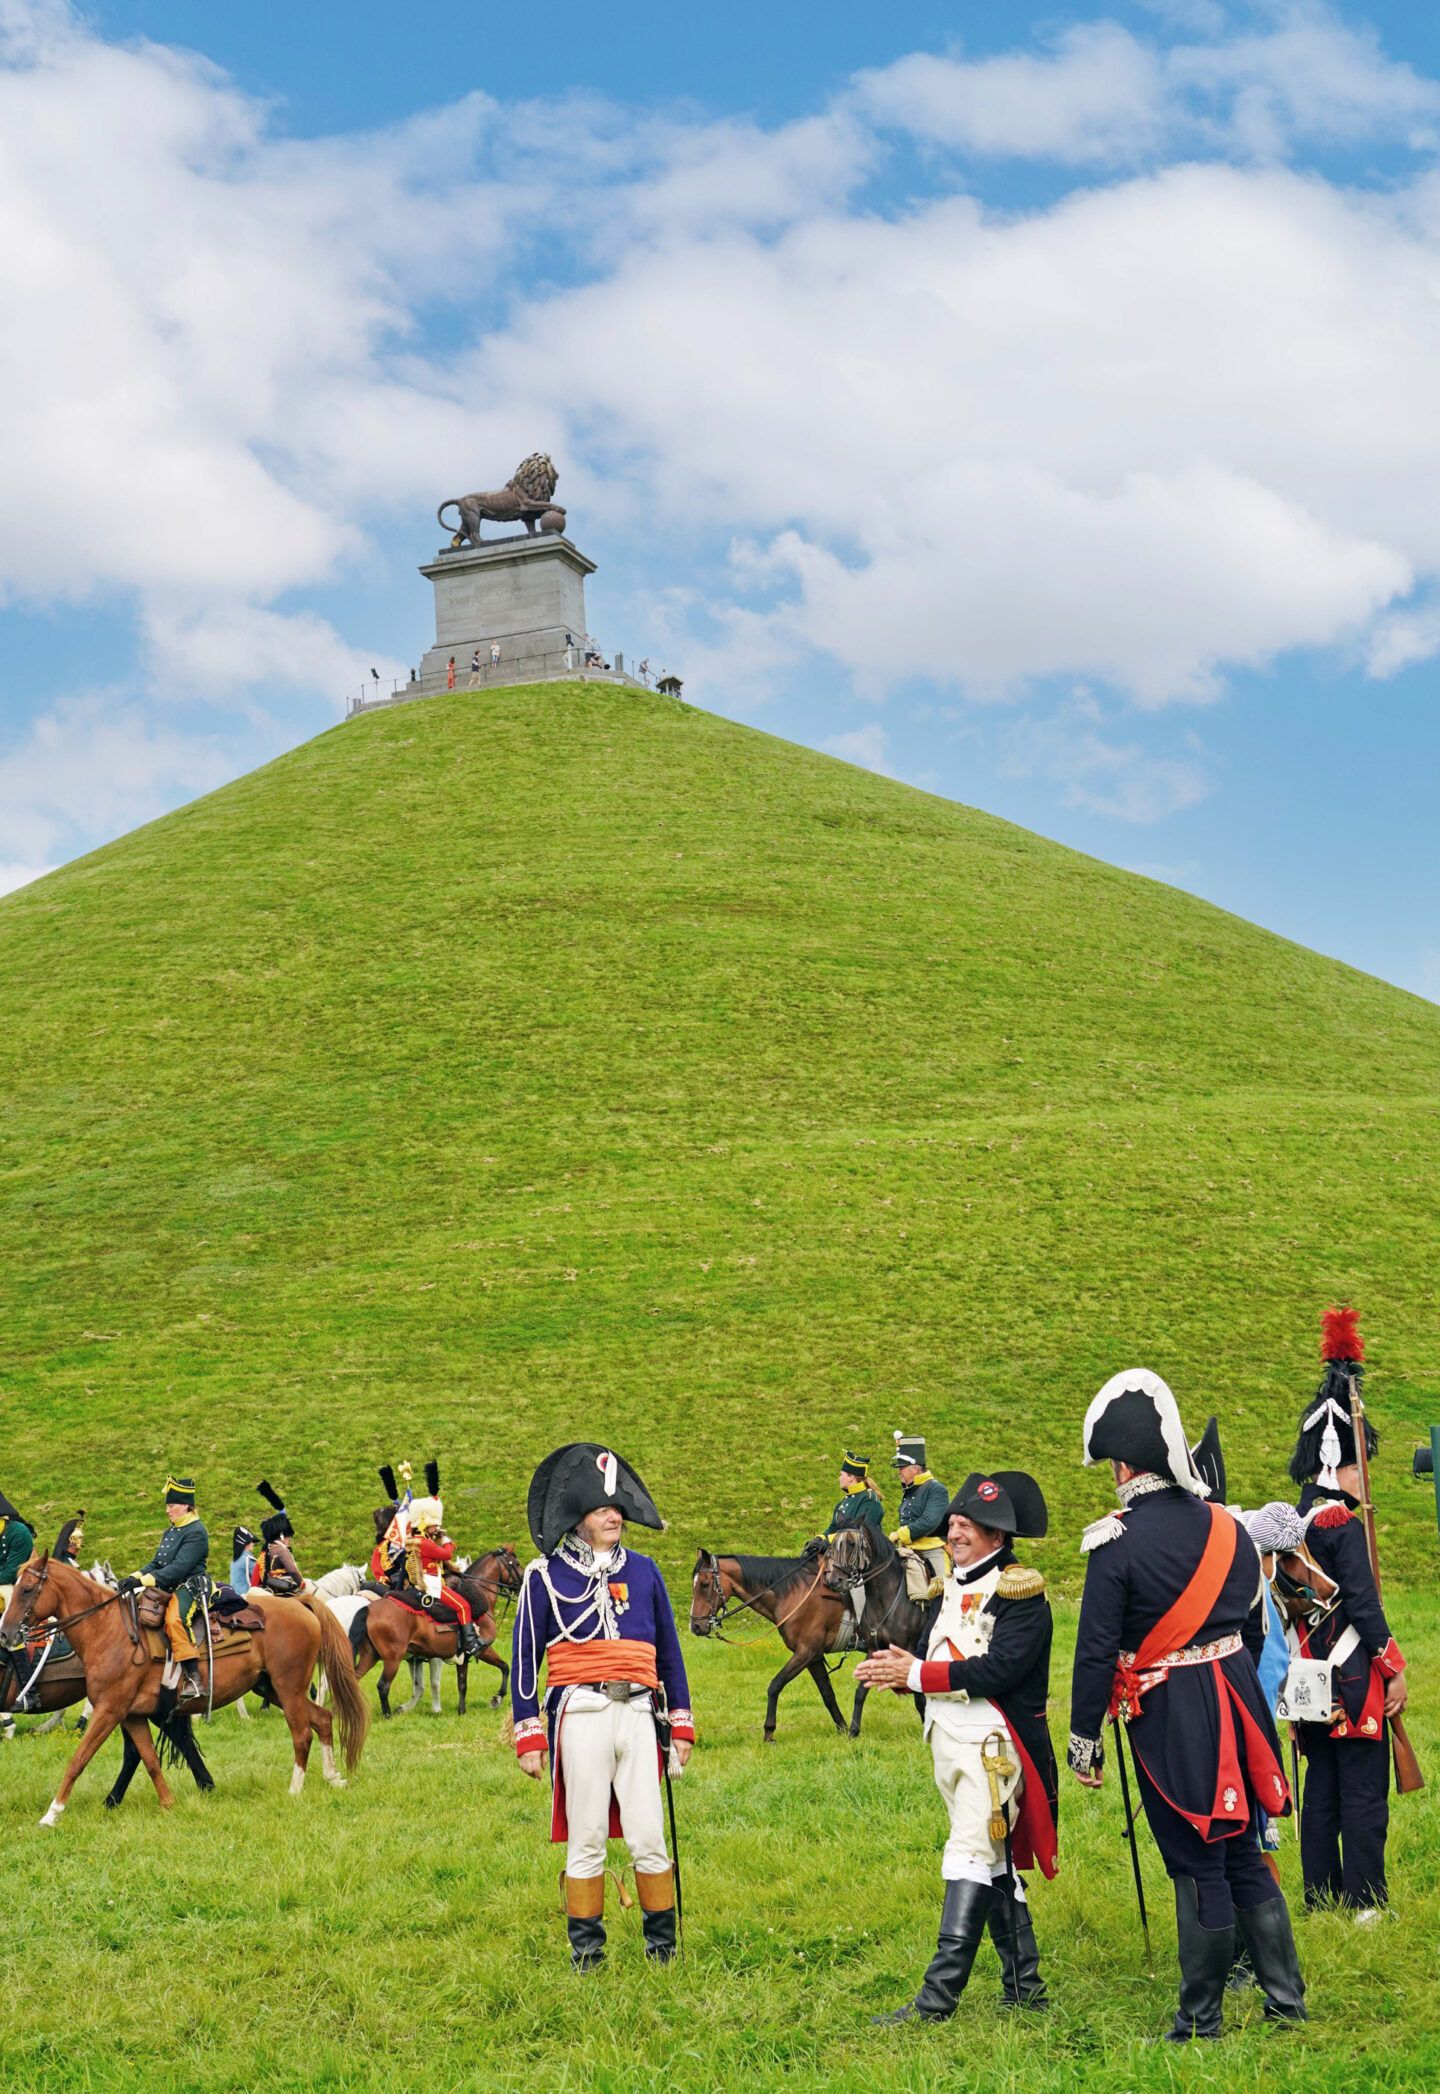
[859, 1503]
[924, 1517]
[616, 1700]
[69, 1540]
[429, 1553]
[275, 1568]
[392, 1531]
[17, 1546]
[178, 1568]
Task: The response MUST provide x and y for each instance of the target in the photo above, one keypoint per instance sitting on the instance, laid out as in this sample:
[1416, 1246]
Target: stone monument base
[522, 596]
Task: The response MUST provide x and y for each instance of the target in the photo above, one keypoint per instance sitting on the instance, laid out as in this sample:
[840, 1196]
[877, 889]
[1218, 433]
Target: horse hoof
[337, 1781]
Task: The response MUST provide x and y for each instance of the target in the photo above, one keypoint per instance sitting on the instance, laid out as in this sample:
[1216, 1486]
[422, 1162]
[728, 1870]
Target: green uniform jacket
[182, 1552]
[857, 1509]
[924, 1510]
[17, 1546]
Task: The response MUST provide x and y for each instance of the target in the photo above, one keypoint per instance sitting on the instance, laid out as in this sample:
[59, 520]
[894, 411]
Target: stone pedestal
[522, 594]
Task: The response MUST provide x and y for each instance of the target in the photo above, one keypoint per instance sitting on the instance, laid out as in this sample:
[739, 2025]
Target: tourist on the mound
[599, 1618]
[494, 656]
[450, 674]
[177, 1567]
[17, 1546]
[429, 1553]
[859, 1504]
[1170, 1631]
[924, 1519]
[985, 1678]
[275, 1567]
[1346, 1810]
[474, 661]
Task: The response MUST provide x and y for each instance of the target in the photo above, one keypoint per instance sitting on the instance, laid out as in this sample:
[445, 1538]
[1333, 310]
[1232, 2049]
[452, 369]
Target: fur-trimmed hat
[277, 1528]
[180, 1490]
[71, 1535]
[240, 1541]
[1007, 1500]
[857, 1465]
[581, 1478]
[1135, 1419]
[1327, 1427]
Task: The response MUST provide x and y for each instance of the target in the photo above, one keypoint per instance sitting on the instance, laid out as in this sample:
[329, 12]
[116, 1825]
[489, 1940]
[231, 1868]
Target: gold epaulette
[1018, 1583]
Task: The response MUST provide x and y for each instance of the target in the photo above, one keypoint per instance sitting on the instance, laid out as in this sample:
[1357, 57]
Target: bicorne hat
[240, 1540]
[1135, 1419]
[1327, 1427]
[578, 1479]
[1007, 1500]
[909, 1447]
[11, 1512]
[1209, 1461]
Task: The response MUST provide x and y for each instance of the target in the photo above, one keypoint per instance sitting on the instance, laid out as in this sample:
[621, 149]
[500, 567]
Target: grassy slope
[563, 1061]
[505, 1068]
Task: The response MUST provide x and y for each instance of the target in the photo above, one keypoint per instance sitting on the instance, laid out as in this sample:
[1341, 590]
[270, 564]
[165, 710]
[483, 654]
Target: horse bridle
[61, 1623]
[722, 1612]
[848, 1585]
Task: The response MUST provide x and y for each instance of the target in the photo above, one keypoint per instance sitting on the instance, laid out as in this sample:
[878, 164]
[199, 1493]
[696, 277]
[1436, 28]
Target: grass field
[568, 1063]
[408, 1931]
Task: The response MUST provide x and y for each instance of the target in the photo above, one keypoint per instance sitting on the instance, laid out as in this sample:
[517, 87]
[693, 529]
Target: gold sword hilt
[998, 1766]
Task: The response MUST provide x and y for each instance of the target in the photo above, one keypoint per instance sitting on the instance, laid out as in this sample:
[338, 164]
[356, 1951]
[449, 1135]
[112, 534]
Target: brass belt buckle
[615, 1690]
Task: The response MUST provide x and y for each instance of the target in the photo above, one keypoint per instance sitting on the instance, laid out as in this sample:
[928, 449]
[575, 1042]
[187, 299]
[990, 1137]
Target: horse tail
[359, 1635]
[351, 1712]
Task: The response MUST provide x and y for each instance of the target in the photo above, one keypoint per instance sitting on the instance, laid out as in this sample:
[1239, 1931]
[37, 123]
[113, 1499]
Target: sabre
[209, 1650]
[1120, 1747]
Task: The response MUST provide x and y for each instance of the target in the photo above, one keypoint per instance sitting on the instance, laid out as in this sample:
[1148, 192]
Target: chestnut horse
[123, 1681]
[388, 1632]
[790, 1593]
[62, 1684]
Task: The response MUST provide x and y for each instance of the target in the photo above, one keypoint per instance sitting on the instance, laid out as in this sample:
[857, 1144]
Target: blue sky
[1037, 405]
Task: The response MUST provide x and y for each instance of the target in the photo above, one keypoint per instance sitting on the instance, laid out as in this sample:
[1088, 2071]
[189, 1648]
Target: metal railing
[514, 668]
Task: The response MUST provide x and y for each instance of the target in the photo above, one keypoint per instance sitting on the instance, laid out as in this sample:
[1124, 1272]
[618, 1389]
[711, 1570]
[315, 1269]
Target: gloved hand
[814, 1547]
[133, 1583]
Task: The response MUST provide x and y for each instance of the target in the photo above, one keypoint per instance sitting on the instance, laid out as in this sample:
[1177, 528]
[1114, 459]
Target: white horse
[341, 1590]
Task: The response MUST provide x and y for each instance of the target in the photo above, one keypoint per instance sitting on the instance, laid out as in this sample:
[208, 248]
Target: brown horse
[62, 1684]
[790, 1593]
[124, 1681]
[388, 1632]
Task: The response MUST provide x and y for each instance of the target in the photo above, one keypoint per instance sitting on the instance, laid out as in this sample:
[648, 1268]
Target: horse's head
[32, 1598]
[847, 1559]
[708, 1594]
[507, 1569]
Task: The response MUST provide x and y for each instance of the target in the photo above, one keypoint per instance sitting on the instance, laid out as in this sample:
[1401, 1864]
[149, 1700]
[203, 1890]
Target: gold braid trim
[1018, 1583]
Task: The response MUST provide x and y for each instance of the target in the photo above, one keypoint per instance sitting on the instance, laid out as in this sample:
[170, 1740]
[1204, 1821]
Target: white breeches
[971, 1855]
[611, 1747]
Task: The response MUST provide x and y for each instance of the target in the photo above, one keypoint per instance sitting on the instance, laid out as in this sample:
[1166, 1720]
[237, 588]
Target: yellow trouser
[182, 1645]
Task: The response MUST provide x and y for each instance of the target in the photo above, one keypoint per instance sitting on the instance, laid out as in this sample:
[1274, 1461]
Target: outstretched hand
[886, 1668]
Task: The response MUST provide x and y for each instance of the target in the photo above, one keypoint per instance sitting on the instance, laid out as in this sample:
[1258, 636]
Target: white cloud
[1098, 94]
[13, 876]
[1118, 779]
[1403, 639]
[865, 746]
[92, 767]
[218, 649]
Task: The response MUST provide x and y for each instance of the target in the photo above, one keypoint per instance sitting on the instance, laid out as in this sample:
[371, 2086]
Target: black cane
[1120, 1746]
[663, 1736]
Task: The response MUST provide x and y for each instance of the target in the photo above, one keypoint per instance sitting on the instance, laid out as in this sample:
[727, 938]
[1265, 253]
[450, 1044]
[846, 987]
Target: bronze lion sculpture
[527, 497]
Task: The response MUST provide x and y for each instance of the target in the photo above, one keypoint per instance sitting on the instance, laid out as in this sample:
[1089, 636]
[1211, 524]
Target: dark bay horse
[124, 1683]
[388, 1632]
[863, 1564]
[790, 1593]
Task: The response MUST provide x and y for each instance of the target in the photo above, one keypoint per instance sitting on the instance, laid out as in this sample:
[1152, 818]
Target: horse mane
[772, 1572]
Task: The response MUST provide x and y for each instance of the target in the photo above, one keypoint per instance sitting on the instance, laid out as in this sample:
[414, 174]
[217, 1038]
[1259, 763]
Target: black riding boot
[962, 1929]
[1265, 1930]
[1013, 1932]
[584, 1907]
[468, 1640]
[1206, 1954]
[659, 1931]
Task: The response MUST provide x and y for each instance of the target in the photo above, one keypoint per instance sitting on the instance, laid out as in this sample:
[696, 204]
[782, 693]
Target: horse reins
[725, 1609]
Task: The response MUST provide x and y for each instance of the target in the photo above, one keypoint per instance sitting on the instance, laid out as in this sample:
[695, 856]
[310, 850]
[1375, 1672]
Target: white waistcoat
[963, 1630]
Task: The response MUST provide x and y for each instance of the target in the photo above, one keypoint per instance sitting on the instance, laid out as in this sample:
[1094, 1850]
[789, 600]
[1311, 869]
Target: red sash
[1182, 1622]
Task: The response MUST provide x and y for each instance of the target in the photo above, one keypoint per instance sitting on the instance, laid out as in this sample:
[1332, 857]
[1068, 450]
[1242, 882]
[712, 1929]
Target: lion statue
[527, 497]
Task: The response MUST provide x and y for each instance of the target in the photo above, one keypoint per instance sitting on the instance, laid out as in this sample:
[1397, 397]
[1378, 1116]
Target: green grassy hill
[568, 1061]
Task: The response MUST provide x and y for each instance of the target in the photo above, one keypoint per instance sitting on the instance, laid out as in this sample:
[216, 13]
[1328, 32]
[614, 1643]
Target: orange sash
[1179, 1625]
[606, 1658]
